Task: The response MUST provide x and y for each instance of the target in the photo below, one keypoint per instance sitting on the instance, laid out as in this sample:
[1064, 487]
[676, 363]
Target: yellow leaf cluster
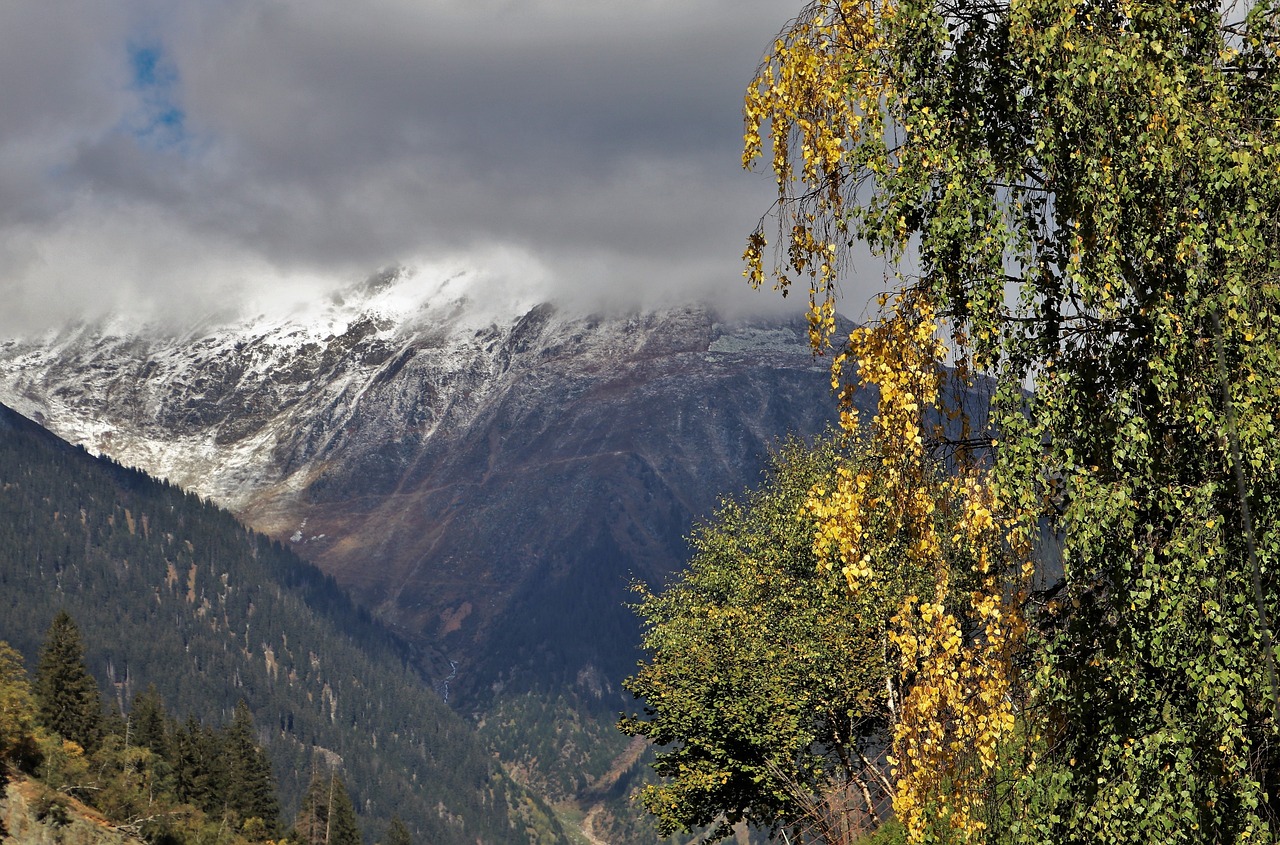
[801, 97]
[900, 356]
[821, 96]
[958, 709]
[958, 713]
[802, 87]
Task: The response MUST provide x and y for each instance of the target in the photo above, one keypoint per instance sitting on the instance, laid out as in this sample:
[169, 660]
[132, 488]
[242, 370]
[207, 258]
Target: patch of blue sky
[159, 121]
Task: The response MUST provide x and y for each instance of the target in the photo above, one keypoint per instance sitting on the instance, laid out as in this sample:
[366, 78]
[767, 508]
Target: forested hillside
[171, 591]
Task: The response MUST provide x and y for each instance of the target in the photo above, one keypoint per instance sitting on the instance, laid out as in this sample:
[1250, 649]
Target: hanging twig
[1246, 519]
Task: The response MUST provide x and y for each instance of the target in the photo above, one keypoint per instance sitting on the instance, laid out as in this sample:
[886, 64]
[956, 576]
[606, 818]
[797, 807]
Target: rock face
[489, 479]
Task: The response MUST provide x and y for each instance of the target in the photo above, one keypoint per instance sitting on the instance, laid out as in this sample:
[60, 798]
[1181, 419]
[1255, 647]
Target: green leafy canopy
[766, 683]
[1089, 195]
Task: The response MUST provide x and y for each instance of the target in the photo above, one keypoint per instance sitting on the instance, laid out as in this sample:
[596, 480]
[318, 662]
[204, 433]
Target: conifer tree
[327, 816]
[251, 790]
[199, 768]
[343, 828]
[113, 722]
[398, 832]
[310, 827]
[67, 695]
[186, 761]
[147, 723]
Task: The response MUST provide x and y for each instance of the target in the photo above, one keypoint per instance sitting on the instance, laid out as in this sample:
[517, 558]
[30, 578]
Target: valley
[487, 478]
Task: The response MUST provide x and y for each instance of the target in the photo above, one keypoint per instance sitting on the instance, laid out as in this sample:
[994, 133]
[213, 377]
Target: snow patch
[740, 339]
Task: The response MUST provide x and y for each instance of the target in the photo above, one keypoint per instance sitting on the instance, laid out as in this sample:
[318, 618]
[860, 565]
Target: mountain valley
[488, 480]
[174, 595]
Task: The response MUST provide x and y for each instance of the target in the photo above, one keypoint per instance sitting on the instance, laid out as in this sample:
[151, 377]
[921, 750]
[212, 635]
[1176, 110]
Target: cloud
[168, 153]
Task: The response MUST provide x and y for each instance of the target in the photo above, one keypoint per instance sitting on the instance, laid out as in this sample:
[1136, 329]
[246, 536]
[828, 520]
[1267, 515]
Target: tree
[19, 742]
[250, 788]
[766, 685]
[67, 695]
[326, 816]
[148, 725]
[199, 768]
[398, 832]
[1079, 198]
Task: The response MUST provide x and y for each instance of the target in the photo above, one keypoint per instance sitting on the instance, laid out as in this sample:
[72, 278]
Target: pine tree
[343, 828]
[67, 695]
[200, 770]
[147, 723]
[311, 825]
[398, 833]
[188, 762]
[251, 790]
[327, 816]
[113, 723]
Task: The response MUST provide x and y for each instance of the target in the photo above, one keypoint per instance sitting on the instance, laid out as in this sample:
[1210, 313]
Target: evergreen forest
[180, 604]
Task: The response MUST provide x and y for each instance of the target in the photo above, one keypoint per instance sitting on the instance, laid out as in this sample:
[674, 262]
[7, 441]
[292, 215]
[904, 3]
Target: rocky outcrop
[30, 814]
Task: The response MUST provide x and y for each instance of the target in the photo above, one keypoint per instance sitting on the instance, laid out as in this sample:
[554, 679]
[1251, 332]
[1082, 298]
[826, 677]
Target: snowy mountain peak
[234, 407]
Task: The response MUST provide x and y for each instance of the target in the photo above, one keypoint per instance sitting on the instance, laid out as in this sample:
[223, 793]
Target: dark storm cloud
[170, 152]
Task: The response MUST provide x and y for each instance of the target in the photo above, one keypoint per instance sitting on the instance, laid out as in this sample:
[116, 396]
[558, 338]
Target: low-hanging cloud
[171, 155]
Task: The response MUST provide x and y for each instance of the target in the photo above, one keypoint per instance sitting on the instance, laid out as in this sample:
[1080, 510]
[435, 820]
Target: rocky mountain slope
[487, 476]
[24, 821]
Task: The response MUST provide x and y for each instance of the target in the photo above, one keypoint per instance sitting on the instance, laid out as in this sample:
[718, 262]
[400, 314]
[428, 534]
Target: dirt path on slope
[589, 825]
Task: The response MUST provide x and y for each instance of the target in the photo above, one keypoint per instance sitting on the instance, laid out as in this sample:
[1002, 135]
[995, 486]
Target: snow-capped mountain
[218, 408]
[488, 474]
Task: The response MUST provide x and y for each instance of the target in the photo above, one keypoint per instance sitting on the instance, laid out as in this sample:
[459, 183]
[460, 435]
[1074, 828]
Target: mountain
[451, 464]
[488, 475]
[171, 591]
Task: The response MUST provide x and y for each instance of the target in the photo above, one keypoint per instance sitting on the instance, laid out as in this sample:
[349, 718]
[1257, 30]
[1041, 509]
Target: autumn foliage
[1076, 204]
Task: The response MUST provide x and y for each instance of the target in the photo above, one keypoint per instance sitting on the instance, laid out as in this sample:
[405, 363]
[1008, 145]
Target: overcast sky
[172, 153]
